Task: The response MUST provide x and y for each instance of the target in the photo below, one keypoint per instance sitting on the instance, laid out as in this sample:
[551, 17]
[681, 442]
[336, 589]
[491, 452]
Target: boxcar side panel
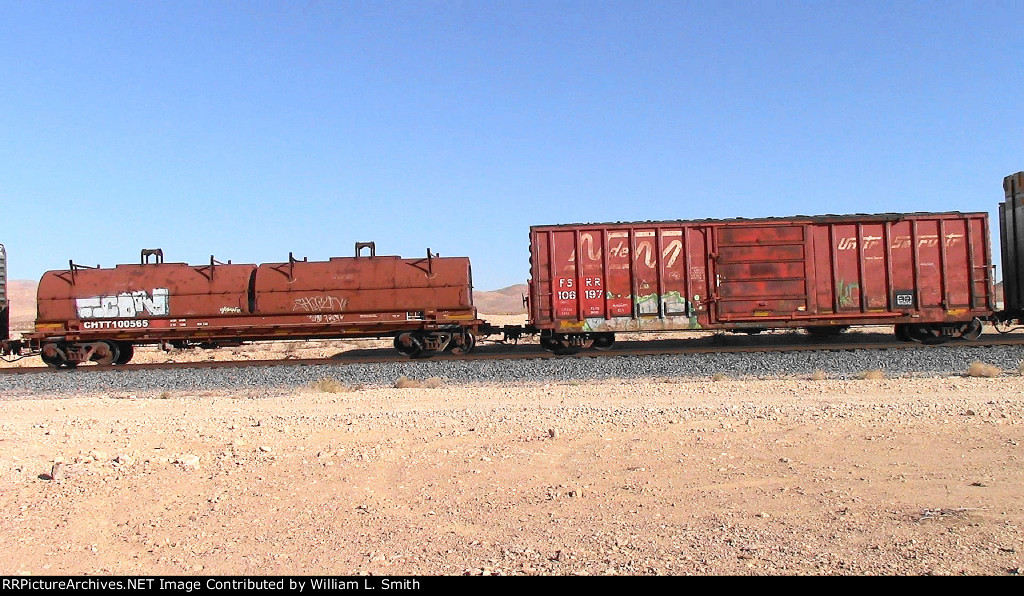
[761, 271]
[619, 277]
[805, 271]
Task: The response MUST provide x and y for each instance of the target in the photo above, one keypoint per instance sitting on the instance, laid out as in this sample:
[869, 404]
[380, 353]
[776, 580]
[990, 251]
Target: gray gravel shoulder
[931, 361]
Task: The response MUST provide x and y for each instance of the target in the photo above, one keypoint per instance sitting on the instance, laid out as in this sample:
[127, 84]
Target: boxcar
[5, 304]
[99, 314]
[927, 274]
[1011, 234]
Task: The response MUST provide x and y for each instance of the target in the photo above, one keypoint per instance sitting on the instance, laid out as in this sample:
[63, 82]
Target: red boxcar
[928, 274]
[99, 314]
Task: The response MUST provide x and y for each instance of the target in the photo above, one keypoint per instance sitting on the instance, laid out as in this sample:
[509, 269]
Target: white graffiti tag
[644, 249]
[125, 304]
[320, 304]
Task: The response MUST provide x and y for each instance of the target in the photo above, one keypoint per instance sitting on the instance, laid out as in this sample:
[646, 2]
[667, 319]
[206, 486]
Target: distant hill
[506, 301]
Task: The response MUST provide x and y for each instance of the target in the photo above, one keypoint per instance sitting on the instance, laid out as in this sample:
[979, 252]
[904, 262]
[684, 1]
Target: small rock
[58, 471]
[553, 433]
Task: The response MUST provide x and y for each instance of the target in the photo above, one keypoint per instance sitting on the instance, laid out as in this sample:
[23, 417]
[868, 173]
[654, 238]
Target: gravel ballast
[932, 361]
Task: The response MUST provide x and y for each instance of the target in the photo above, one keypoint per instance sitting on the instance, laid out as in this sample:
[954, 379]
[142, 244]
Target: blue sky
[248, 130]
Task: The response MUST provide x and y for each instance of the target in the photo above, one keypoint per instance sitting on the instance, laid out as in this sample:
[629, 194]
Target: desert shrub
[983, 369]
[331, 385]
[719, 377]
[404, 382]
[872, 375]
[819, 375]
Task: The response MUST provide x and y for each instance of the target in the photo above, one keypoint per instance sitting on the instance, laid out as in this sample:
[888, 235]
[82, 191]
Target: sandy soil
[903, 476]
[693, 476]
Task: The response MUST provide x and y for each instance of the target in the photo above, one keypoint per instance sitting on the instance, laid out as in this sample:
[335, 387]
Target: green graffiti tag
[845, 292]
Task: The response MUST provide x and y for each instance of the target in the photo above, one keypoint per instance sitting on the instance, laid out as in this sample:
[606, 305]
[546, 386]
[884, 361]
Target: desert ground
[682, 476]
[689, 476]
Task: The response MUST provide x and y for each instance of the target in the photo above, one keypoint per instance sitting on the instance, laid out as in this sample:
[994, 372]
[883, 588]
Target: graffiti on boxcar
[671, 253]
[644, 249]
[321, 303]
[587, 241]
[125, 304]
[846, 292]
[673, 303]
[325, 318]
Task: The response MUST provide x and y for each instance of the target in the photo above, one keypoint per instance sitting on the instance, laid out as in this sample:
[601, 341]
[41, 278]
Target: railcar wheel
[558, 344]
[604, 341]
[56, 356]
[927, 334]
[468, 343]
[973, 330]
[549, 343]
[106, 353]
[409, 343]
[126, 351]
[54, 361]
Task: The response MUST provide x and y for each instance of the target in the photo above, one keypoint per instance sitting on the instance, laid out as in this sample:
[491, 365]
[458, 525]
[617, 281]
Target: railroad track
[500, 351]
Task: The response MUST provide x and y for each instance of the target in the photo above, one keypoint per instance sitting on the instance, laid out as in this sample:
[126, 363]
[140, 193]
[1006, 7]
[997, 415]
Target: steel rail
[501, 351]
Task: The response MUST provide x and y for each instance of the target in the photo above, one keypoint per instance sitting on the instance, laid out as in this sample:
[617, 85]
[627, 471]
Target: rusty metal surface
[355, 286]
[143, 292]
[771, 273]
[342, 297]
